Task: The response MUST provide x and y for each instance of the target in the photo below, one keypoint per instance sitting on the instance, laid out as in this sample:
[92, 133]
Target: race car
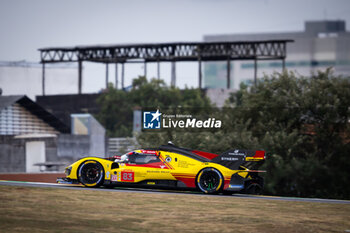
[175, 167]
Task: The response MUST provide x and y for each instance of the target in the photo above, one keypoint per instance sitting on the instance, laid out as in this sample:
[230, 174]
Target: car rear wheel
[91, 173]
[210, 180]
[253, 187]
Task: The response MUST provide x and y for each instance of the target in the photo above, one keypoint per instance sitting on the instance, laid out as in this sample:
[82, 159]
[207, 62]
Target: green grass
[24, 209]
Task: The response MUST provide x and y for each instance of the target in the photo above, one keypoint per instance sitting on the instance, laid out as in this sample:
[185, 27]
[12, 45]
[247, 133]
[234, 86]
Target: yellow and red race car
[171, 166]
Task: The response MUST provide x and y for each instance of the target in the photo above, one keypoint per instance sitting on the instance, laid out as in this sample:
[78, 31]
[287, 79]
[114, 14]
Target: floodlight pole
[228, 73]
[123, 76]
[80, 74]
[106, 75]
[255, 71]
[116, 75]
[158, 70]
[199, 73]
[43, 79]
[173, 73]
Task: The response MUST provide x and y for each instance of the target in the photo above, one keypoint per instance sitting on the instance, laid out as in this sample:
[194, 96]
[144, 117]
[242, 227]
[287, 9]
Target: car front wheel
[91, 173]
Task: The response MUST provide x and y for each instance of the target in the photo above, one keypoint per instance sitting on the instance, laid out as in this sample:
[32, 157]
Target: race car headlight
[68, 170]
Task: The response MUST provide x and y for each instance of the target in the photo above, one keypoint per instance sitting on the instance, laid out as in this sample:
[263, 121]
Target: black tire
[210, 180]
[91, 173]
[253, 187]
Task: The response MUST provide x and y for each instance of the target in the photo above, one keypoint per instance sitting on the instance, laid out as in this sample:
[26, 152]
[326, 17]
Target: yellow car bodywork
[171, 166]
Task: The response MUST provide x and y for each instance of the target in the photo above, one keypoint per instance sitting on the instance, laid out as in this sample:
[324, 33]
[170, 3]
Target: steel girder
[166, 52]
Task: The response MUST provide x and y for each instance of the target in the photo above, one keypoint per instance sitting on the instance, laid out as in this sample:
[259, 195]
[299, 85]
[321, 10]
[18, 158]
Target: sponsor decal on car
[114, 178]
[236, 152]
[235, 186]
[151, 152]
[229, 158]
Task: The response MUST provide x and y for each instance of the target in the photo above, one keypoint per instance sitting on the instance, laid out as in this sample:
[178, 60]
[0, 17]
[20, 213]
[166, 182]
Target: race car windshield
[139, 158]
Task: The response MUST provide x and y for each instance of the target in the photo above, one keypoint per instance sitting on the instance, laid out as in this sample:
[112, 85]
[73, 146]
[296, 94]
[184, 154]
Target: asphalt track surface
[173, 192]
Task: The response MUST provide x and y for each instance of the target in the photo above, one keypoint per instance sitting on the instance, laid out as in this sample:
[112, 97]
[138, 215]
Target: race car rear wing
[233, 159]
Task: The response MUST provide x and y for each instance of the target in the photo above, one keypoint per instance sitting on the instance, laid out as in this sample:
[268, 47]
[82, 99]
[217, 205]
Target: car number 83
[127, 176]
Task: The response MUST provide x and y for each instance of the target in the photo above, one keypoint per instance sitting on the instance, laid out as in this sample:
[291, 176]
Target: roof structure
[6, 101]
[35, 109]
[166, 52]
[191, 51]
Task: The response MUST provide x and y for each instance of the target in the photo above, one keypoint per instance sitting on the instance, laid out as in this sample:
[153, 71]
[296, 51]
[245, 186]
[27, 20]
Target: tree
[116, 112]
[117, 105]
[304, 124]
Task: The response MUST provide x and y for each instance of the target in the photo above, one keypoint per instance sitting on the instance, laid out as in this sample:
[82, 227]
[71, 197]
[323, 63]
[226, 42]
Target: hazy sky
[27, 25]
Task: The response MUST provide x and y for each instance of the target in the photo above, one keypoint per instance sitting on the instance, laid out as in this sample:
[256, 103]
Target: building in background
[321, 45]
[86, 124]
[33, 140]
[25, 78]
[62, 106]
